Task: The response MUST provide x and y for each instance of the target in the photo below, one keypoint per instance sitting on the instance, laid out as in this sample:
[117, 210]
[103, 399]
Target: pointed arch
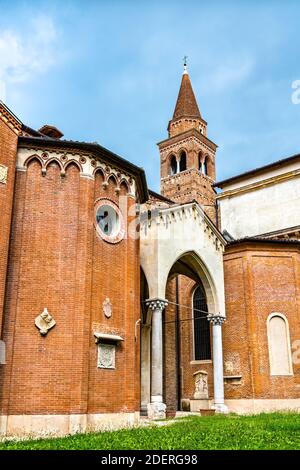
[182, 161]
[191, 265]
[113, 178]
[172, 165]
[99, 170]
[99, 176]
[32, 158]
[210, 166]
[124, 186]
[200, 158]
[54, 160]
[75, 163]
[204, 165]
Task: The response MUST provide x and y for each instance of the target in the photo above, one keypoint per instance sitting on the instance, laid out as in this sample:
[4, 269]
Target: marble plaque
[3, 174]
[106, 356]
[201, 386]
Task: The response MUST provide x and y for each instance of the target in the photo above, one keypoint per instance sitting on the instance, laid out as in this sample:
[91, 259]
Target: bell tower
[188, 155]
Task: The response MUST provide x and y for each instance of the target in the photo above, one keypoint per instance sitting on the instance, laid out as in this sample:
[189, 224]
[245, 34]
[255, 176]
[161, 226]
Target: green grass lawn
[264, 431]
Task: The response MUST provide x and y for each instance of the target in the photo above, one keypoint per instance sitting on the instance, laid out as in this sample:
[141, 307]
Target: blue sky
[109, 71]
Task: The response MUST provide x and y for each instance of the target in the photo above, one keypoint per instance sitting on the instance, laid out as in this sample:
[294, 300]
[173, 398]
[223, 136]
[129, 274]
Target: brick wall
[191, 185]
[57, 261]
[259, 280]
[8, 152]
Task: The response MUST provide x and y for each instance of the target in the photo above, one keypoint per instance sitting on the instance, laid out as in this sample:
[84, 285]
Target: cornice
[10, 119]
[259, 184]
[260, 245]
[184, 135]
[93, 152]
[175, 213]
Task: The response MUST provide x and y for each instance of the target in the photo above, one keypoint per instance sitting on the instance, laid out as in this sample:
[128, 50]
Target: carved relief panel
[201, 385]
[106, 356]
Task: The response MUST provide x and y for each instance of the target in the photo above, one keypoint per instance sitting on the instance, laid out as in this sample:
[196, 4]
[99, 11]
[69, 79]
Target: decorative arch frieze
[87, 166]
[32, 158]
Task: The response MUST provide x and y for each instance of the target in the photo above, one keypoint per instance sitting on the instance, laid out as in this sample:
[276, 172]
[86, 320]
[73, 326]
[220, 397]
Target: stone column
[216, 321]
[157, 409]
[178, 166]
[145, 368]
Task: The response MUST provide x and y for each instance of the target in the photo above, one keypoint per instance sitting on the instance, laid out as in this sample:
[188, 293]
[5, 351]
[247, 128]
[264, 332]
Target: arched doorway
[186, 332]
[181, 242]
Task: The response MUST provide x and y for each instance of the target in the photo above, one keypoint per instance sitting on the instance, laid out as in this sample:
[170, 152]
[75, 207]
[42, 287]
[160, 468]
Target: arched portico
[192, 265]
[180, 240]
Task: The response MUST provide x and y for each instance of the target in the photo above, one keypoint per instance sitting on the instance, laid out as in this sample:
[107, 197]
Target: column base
[221, 408]
[156, 410]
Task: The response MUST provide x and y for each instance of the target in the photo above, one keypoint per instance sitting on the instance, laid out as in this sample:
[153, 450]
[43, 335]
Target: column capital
[216, 319]
[156, 304]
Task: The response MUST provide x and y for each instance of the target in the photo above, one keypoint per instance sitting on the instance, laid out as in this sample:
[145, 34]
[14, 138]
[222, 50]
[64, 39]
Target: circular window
[109, 221]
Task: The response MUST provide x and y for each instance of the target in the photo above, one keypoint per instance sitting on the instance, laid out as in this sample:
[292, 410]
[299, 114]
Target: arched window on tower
[173, 165]
[204, 166]
[202, 349]
[279, 345]
[200, 162]
[182, 164]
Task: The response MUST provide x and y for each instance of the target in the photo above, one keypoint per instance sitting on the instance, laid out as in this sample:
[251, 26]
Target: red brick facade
[9, 129]
[260, 279]
[56, 260]
[51, 256]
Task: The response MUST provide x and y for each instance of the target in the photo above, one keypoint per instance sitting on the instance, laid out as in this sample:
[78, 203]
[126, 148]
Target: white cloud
[230, 74]
[22, 56]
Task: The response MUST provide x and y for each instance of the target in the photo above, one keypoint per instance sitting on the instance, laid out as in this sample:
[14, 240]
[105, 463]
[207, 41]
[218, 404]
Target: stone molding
[185, 136]
[178, 176]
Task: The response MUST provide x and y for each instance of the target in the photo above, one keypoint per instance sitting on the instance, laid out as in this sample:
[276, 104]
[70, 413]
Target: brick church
[117, 302]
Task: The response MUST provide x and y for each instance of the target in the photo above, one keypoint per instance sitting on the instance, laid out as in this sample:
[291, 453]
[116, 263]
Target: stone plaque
[201, 387]
[3, 174]
[107, 308]
[106, 356]
[44, 322]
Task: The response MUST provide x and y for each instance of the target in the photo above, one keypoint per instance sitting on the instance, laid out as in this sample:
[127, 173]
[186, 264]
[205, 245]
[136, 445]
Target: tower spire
[188, 156]
[186, 105]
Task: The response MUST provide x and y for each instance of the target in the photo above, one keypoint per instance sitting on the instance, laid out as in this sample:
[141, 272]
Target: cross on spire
[185, 64]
